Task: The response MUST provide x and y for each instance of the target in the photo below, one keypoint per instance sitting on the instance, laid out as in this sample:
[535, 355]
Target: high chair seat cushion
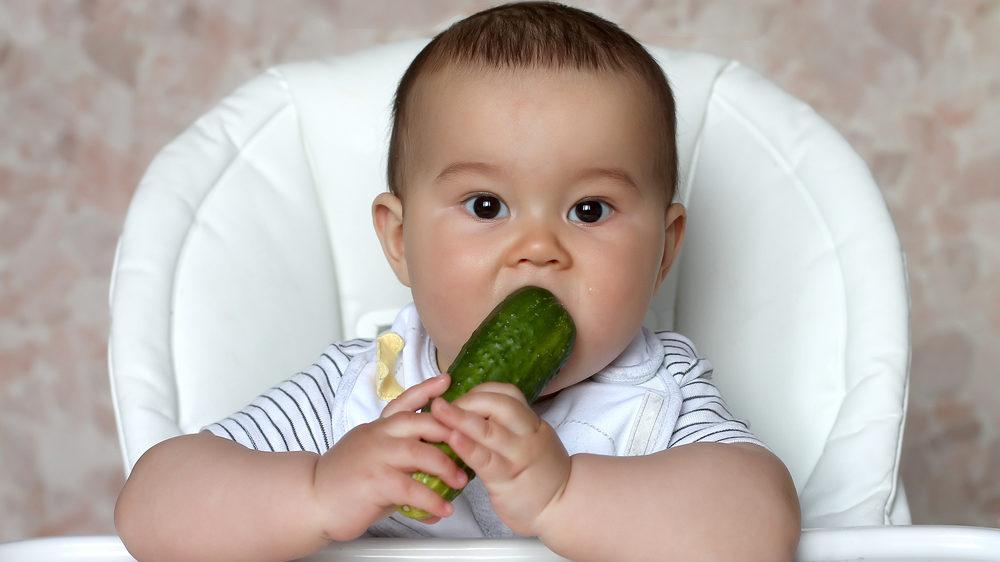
[248, 247]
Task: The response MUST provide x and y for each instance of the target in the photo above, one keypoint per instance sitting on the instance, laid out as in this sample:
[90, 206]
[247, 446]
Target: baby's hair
[527, 35]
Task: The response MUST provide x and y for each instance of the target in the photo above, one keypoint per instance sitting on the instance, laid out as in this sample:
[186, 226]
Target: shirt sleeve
[704, 415]
[297, 414]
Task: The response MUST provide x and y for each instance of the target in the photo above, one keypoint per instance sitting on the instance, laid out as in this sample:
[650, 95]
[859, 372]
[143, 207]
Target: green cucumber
[524, 341]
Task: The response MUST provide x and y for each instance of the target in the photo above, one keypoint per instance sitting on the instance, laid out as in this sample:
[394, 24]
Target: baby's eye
[486, 206]
[590, 211]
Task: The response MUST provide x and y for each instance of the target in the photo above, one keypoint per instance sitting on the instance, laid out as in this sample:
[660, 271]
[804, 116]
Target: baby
[532, 144]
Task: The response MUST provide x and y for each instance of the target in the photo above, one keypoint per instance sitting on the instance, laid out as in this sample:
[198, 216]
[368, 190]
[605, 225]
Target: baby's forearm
[200, 497]
[704, 501]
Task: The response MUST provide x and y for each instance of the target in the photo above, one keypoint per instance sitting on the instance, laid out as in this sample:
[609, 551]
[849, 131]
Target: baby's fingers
[417, 396]
[510, 412]
[415, 456]
[478, 440]
[415, 426]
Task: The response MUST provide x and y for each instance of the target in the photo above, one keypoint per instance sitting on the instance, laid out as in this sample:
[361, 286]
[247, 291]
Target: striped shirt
[295, 415]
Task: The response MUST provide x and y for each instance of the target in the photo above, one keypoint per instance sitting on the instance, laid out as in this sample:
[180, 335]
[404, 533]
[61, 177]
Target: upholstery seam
[780, 159]
[311, 165]
[196, 213]
[793, 172]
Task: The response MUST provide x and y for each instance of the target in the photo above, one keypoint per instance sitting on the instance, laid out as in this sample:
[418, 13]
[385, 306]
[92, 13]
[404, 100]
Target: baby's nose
[540, 246]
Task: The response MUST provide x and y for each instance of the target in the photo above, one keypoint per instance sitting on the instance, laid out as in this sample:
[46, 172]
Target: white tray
[916, 543]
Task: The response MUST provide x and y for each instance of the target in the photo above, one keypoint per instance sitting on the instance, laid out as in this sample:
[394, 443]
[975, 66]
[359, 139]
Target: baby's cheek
[608, 323]
[449, 315]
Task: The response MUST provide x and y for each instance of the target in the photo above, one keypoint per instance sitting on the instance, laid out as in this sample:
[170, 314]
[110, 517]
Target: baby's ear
[387, 215]
[676, 221]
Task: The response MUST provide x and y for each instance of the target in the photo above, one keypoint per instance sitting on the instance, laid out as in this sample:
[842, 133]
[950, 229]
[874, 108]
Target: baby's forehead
[442, 92]
[548, 117]
[572, 129]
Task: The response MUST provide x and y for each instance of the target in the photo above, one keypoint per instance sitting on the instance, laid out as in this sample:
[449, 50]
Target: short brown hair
[537, 35]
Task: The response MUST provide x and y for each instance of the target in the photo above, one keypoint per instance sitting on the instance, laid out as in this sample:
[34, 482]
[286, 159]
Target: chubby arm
[201, 497]
[703, 501]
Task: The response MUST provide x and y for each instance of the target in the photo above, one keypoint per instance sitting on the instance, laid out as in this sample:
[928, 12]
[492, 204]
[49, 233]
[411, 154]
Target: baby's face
[535, 178]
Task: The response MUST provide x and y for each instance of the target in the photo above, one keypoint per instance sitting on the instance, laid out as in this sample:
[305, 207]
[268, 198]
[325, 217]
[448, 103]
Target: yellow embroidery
[387, 348]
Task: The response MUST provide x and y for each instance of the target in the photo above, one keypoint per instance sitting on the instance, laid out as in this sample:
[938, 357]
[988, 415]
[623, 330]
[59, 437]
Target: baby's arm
[201, 497]
[704, 501]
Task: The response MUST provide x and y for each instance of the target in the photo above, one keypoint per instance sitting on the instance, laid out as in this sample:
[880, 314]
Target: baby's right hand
[366, 474]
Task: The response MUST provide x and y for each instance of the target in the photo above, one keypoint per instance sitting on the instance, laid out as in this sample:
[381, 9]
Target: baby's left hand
[519, 457]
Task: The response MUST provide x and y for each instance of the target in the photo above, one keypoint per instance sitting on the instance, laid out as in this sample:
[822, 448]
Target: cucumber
[524, 341]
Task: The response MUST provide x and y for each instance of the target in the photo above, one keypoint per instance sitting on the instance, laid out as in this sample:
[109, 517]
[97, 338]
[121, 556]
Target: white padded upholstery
[248, 247]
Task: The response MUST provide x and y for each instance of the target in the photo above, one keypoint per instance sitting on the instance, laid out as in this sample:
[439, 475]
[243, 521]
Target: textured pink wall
[91, 90]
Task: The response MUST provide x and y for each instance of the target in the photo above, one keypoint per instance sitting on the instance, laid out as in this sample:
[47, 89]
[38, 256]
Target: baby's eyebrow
[616, 174]
[456, 168]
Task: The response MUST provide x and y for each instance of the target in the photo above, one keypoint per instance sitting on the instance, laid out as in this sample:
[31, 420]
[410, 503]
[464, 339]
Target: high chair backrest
[248, 247]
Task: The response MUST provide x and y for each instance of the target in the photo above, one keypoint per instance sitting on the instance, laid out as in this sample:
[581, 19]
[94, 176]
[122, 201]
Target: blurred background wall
[90, 90]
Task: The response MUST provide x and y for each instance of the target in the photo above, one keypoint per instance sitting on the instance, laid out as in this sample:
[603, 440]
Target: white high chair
[248, 247]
